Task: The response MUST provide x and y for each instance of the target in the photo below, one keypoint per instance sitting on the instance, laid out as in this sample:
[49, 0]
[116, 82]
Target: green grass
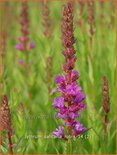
[32, 126]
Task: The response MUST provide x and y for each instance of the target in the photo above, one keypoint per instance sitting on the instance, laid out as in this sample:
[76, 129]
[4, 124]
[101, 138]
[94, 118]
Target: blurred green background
[33, 117]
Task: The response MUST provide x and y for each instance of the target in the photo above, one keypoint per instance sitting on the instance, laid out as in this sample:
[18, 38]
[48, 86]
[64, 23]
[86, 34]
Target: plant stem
[27, 73]
[10, 143]
[105, 126]
[92, 64]
[69, 147]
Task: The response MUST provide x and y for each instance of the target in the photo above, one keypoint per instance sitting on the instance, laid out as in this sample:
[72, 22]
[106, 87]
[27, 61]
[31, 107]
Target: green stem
[10, 143]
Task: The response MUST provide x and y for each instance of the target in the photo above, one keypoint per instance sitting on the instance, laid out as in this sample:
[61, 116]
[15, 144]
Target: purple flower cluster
[46, 21]
[59, 132]
[19, 46]
[24, 39]
[70, 103]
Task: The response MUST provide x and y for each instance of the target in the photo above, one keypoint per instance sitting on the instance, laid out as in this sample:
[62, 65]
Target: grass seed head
[5, 114]
[105, 95]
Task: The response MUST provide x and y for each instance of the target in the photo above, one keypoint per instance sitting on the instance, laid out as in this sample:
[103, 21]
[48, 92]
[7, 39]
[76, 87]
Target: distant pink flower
[59, 79]
[79, 129]
[32, 45]
[23, 44]
[58, 102]
[19, 47]
[21, 62]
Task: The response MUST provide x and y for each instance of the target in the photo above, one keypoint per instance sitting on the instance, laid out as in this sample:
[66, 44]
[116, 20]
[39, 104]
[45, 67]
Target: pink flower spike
[19, 47]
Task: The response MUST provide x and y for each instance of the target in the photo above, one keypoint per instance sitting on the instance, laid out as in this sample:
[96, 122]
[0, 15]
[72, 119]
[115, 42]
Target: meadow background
[33, 117]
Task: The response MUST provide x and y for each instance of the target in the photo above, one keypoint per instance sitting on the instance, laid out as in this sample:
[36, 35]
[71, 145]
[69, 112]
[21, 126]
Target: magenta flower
[79, 129]
[59, 132]
[32, 45]
[59, 79]
[70, 103]
[58, 102]
[19, 47]
[21, 62]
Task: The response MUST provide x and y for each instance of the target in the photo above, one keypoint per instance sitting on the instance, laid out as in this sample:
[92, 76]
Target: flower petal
[59, 79]
[79, 129]
[58, 102]
[59, 132]
[32, 45]
[18, 46]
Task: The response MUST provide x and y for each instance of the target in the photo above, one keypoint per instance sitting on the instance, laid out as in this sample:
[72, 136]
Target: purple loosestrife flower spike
[6, 121]
[21, 62]
[19, 47]
[24, 44]
[58, 103]
[70, 103]
[32, 45]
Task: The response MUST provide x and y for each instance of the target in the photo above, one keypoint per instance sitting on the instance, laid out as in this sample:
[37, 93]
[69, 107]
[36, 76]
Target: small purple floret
[58, 102]
[21, 62]
[61, 115]
[19, 47]
[71, 123]
[69, 105]
[79, 129]
[79, 97]
[59, 132]
[59, 79]
[75, 73]
[73, 115]
[81, 106]
[32, 45]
